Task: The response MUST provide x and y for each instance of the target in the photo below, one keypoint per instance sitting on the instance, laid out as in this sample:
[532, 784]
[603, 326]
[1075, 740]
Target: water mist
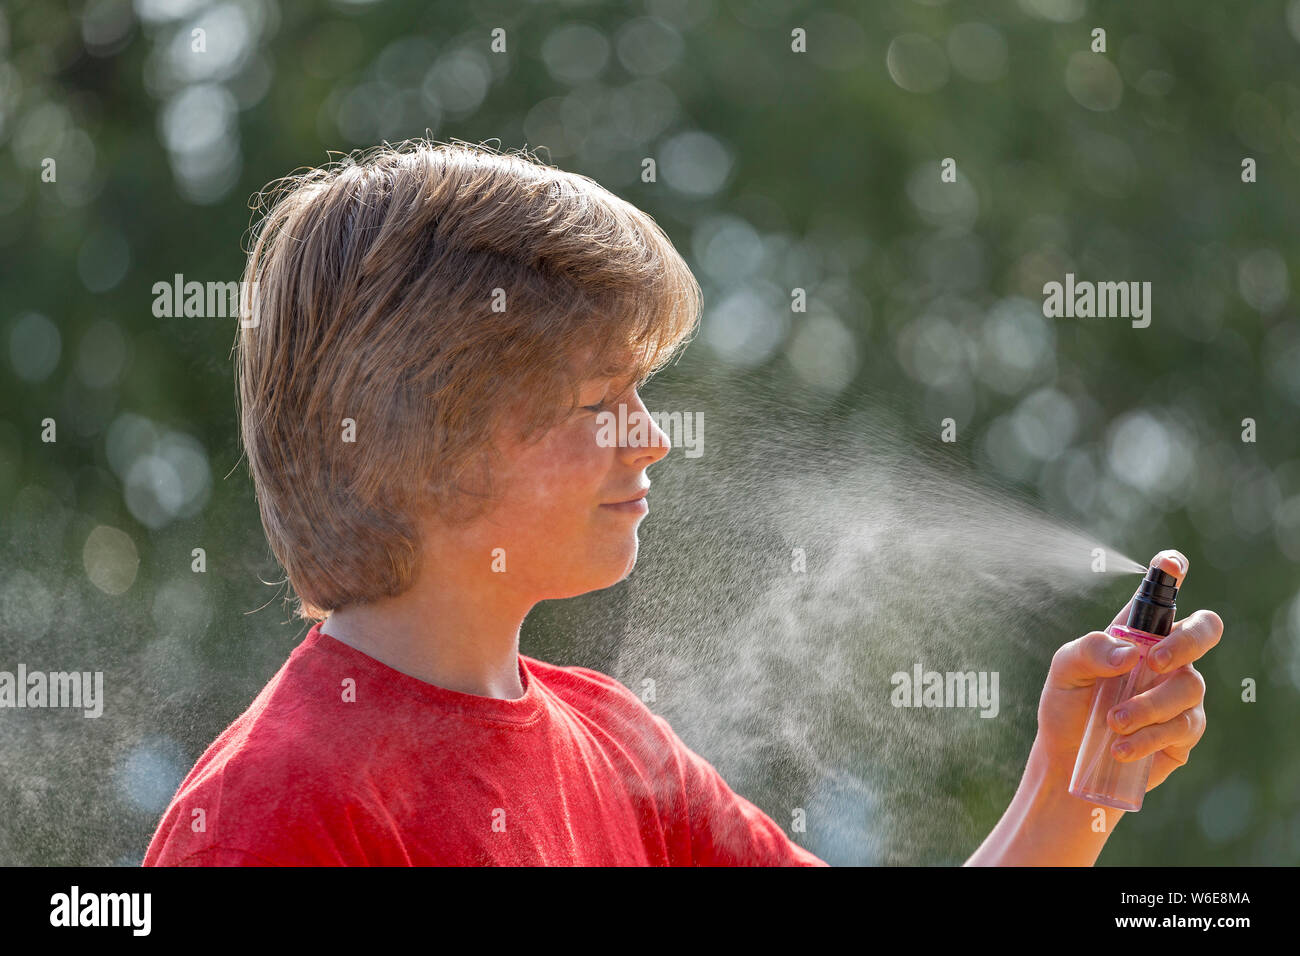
[800, 563]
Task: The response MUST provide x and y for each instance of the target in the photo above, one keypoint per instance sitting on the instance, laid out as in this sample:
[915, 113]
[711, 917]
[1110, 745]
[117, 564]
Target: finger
[1187, 641]
[1080, 662]
[1176, 737]
[1166, 762]
[1172, 562]
[1182, 690]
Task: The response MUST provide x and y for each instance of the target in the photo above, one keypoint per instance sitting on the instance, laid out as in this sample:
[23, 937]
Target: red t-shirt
[342, 760]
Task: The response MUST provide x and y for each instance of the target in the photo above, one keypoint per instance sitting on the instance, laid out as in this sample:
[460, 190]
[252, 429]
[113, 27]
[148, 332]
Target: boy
[437, 331]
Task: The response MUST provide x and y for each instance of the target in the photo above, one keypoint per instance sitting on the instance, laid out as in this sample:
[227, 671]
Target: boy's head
[429, 321]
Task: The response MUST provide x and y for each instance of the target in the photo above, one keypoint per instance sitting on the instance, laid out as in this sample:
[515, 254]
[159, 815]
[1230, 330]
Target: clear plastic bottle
[1098, 777]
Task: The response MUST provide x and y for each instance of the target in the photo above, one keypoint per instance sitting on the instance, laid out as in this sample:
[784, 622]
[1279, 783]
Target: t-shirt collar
[521, 710]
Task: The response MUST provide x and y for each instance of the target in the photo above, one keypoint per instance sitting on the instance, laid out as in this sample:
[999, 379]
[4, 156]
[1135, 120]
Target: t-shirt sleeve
[725, 829]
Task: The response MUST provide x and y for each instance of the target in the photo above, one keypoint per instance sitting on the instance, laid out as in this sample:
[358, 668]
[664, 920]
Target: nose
[645, 442]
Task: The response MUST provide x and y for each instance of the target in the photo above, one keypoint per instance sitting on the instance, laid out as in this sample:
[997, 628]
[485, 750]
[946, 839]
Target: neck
[460, 632]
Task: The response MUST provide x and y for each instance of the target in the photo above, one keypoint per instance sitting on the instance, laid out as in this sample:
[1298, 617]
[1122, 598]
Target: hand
[1167, 719]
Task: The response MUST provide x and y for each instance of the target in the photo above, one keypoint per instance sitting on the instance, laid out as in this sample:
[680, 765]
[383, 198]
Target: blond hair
[424, 291]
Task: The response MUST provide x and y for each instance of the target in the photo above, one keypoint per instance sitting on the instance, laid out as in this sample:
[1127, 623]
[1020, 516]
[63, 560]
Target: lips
[636, 504]
[636, 497]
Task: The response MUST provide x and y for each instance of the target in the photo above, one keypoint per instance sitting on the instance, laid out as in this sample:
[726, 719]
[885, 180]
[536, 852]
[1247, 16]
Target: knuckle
[1088, 645]
[1066, 653]
[1179, 733]
[1096, 645]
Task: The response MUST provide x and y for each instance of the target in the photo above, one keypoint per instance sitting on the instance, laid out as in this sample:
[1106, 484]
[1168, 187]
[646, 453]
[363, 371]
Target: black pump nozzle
[1153, 605]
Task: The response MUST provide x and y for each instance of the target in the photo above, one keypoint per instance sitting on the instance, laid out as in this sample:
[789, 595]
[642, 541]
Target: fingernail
[1121, 718]
[1161, 658]
[1120, 654]
[1123, 750]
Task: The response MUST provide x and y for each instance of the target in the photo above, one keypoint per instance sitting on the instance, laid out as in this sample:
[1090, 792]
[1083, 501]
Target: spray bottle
[1098, 777]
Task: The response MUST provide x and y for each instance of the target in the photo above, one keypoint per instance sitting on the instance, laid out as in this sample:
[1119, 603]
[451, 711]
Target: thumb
[1081, 662]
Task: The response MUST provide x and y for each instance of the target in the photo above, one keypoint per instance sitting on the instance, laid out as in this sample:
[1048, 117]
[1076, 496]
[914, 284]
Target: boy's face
[558, 518]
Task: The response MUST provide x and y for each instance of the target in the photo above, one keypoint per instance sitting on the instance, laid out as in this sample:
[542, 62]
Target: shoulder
[603, 699]
[290, 727]
[270, 789]
[583, 685]
[571, 675]
[247, 804]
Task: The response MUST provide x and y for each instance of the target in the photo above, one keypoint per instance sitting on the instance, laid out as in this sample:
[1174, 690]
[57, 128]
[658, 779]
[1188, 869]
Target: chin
[609, 570]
